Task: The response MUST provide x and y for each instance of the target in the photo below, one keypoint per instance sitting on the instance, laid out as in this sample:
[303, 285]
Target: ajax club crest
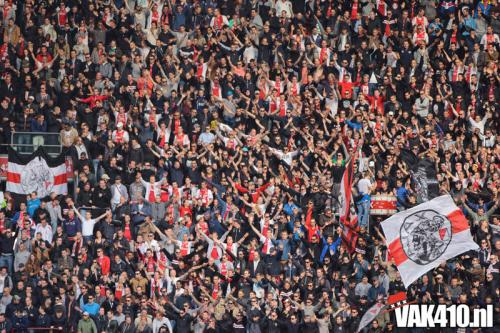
[425, 236]
[37, 176]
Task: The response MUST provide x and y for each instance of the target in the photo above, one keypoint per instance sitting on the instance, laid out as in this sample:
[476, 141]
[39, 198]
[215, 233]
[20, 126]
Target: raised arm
[77, 212]
[207, 239]
[257, 232]
[192, 269]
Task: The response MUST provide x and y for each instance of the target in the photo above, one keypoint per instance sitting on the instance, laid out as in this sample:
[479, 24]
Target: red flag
[395, 299]
[349, 225]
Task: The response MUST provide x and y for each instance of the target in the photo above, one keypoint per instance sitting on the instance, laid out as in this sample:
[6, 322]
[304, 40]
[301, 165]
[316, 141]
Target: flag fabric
[37, 172]
[349, 224]
[346, 191]
[424, 177]
[422, 237]
[396, 300]
[350, 234]
[370, 315]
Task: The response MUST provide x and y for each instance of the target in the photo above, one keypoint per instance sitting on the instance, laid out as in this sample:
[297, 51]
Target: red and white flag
[370, 315]
[422, 237]
[349, 223]
[397, 300]
[346, 191]
[37, 172]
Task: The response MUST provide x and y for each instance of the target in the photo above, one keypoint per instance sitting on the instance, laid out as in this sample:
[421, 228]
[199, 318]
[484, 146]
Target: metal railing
[28, 142]
[44, 329]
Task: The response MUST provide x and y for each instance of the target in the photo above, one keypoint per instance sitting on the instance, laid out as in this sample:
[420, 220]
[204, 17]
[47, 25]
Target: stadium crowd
[209, 139]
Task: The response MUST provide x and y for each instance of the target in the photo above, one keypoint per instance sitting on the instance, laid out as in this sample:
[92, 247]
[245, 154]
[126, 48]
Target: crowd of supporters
[209, 139]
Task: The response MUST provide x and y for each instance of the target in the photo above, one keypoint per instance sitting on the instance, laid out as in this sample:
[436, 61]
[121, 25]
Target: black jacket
[101, 197]
[183, 324]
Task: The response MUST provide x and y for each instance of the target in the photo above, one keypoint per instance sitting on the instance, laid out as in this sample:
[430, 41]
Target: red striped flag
[396, 299]
[370, 315]
[349, 224]
[37, 172]
[422, 237]
[346, 191]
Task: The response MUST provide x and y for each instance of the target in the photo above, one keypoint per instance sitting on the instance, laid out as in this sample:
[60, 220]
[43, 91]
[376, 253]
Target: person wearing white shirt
[488, 139]
[218, 21]
[250, 52]
[230, 142]
[206, 137]
[489, 37]
[284, 6]
[118, 190]
[286, 156]
[153, 189]
[45, 230]
[161, 321]
[364, 185]
[88, 223]
[204, 194]
[364, 189]
[151, 244]
[478, 123]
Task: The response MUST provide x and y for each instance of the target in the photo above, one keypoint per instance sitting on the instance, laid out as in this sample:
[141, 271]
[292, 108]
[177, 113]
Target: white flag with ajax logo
[422, 237]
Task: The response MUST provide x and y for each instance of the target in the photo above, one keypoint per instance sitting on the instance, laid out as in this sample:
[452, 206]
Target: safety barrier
[28, 142]
[40, 329]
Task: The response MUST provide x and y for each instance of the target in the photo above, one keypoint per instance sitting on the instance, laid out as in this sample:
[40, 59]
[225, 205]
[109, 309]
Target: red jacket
[255, 195]
[105, 264]
[93, 99]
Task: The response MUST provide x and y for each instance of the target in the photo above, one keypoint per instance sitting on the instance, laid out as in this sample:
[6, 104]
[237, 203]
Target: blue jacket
[33, 205]
[37, 127]
[374, 292]
[288, 208]
[92, 309]
[332, 247]
[71, 227]
[287, 247]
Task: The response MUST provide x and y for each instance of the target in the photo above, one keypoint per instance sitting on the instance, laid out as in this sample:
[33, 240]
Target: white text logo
[430, 315]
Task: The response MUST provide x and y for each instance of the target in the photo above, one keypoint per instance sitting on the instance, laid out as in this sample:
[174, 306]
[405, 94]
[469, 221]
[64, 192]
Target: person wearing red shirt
[312, 228]
[92, 100]
[104, 262]
[254, 192]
